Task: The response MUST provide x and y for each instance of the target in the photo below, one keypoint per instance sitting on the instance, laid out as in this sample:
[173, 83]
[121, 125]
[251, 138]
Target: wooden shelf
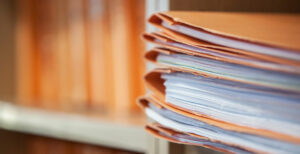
[93, 129]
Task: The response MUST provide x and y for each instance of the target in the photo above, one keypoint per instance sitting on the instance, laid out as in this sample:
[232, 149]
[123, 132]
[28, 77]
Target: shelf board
[90, 129]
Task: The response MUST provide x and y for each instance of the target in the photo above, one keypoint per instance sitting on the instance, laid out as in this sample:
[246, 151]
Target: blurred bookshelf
[67, 72]
[97, 129]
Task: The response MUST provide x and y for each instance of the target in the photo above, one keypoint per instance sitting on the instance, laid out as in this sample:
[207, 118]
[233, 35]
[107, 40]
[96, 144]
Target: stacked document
[225, 81]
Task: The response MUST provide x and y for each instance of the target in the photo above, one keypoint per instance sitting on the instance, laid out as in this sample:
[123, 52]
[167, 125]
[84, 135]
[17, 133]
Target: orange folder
[170, 45]
[168, 134]
[279, 42]
[155, 83]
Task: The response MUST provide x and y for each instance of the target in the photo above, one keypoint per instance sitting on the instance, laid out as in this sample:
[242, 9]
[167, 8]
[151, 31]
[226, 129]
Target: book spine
[77, 47]
[62, 54]
[120, 47]
[96, 26]
[26, 85]
[46, 47]
[137, 48]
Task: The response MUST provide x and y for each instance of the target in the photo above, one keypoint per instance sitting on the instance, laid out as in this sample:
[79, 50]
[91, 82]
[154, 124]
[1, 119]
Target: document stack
[225, 81]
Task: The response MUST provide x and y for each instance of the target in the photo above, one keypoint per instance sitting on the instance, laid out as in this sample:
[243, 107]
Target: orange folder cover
[170, 45]
[155, 83]
[246, 33]
[165, 133]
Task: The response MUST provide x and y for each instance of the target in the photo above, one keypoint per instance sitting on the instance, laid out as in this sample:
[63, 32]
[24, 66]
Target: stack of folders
[226, 81]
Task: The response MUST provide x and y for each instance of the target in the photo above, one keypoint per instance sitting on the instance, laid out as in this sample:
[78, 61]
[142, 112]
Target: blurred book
[81, 55]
